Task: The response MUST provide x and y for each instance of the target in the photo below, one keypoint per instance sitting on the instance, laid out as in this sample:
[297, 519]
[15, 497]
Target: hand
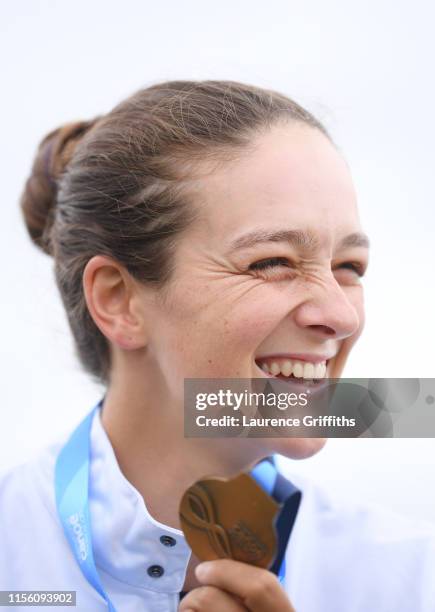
[232, 586]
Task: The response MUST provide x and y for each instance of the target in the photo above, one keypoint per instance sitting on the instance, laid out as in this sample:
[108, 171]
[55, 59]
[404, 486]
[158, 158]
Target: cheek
[357, 301]
[247, 324]
[236, 315]
[215, 342]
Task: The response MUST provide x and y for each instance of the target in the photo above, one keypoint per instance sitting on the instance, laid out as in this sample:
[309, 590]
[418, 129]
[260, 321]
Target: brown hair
[116, 185]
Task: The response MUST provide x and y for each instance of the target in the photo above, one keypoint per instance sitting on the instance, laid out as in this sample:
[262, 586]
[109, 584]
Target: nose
[328, 312]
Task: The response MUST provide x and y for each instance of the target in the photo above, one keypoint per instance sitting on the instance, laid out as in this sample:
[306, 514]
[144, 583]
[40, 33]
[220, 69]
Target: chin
[299, 448]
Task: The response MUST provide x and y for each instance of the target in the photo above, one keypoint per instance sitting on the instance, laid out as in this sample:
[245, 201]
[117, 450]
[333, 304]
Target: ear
[113, 299]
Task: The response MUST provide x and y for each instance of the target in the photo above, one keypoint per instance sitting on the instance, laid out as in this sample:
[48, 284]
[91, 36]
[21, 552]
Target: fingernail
[202, 569]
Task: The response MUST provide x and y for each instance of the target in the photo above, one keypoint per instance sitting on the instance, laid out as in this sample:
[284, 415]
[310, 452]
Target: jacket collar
[127, 540]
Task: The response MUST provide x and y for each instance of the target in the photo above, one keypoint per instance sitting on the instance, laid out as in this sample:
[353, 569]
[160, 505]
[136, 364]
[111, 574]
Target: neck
[155, 457]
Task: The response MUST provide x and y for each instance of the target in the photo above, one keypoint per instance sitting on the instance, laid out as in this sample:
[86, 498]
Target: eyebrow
[304, 240]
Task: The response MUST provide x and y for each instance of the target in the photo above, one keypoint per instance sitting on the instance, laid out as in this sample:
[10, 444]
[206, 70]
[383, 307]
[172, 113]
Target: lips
[310, 357]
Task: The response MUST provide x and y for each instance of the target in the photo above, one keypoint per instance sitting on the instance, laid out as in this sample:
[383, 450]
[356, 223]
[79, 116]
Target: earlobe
[110, 297]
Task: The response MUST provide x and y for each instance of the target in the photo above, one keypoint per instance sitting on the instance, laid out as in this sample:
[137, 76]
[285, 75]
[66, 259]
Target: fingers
[258, 589]
[210, 599]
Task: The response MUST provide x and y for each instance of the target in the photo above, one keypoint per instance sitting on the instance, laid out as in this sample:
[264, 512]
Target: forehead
[292, 176]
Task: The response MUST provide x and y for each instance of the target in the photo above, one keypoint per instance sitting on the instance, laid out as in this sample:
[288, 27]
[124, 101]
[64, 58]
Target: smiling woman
[199, 230]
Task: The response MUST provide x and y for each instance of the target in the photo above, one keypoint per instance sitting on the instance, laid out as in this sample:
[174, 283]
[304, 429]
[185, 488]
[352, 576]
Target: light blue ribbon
[72, 495]
[264, 473]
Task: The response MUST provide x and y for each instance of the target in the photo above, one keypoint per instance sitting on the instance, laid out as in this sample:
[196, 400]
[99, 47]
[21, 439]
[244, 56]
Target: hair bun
[40, 193]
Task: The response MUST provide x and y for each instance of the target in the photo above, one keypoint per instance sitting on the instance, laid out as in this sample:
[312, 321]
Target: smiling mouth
[294, 370]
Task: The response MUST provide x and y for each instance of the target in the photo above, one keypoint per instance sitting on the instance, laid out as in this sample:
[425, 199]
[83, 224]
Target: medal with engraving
[230, 519]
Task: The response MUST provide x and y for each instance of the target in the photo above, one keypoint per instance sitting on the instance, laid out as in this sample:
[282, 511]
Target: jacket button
[155, 571]
[167, 540]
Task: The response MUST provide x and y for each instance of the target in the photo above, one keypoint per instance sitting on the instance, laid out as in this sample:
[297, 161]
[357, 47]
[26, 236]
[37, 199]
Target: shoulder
[29, 522]
[34, 551]
[367, 520]
[29, 483]
[359, 552]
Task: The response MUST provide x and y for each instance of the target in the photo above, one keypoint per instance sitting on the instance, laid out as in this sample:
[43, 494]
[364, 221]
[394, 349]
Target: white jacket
[339, 558]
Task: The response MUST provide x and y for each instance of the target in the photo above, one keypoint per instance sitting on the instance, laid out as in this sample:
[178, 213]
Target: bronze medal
[230, 519]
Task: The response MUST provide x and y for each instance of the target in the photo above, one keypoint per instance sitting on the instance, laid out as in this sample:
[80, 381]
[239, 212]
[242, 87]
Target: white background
[364, 68]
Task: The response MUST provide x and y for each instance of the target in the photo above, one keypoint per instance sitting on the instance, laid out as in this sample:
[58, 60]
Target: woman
[200, 230]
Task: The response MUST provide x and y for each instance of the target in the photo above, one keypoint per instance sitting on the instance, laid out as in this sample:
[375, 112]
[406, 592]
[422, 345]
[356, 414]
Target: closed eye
[274, 262]
[355, 266]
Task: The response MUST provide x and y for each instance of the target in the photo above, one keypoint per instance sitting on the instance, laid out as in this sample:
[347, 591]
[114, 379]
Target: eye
[282, 262]
[353, 265]
[272, 262]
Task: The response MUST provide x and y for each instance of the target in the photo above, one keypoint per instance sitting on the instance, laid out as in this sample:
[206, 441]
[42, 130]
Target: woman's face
[268, 272]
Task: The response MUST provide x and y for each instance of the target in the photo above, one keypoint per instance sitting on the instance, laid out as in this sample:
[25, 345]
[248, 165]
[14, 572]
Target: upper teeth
[299, 369]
